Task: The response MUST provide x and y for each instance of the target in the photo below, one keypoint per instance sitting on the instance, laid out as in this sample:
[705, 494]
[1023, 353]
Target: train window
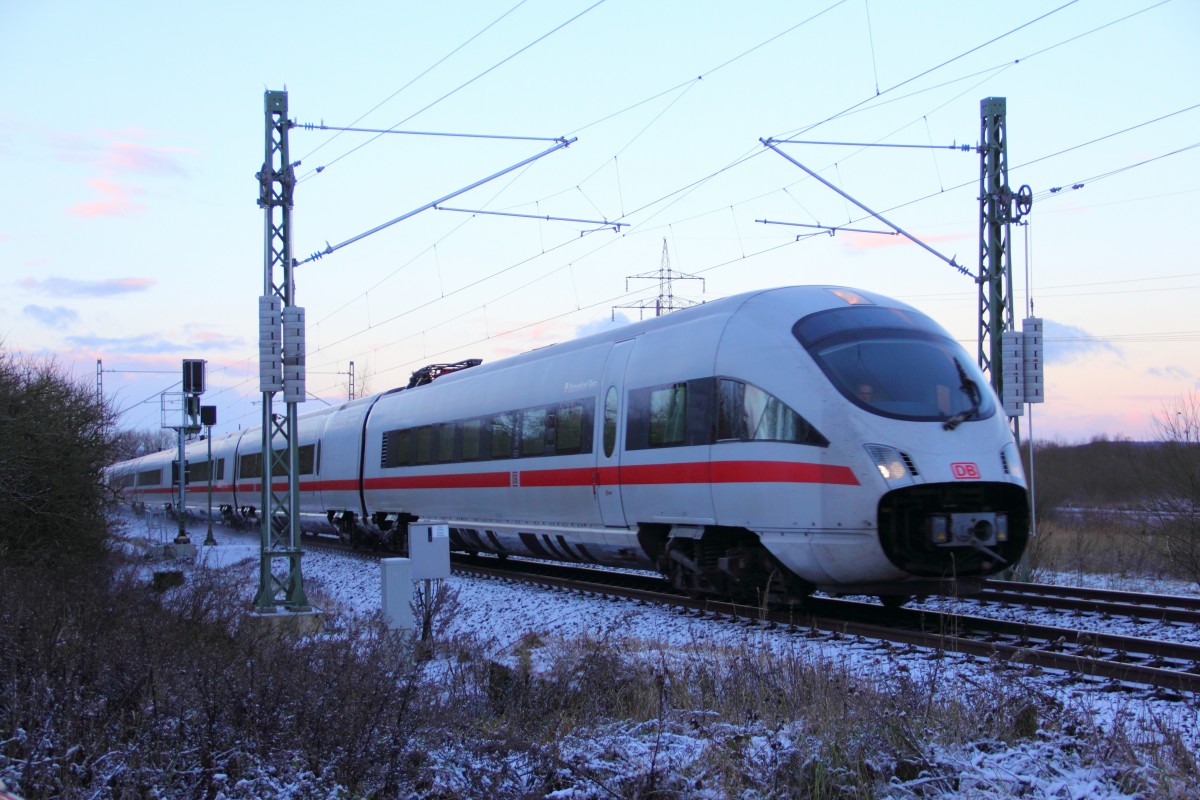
[308, 459]
[568, 429]
[471, 430]
[445, 442]
[610, 421]
[394, 449]
[220, 469]
[424, 440]
[503, 426]
[668, 415]
[835, 321]
[533, 432]
[250, 466]
[897, 363]
[403, 457]
[731, 418]
[198, 472]
[149, 477]
[746, 412]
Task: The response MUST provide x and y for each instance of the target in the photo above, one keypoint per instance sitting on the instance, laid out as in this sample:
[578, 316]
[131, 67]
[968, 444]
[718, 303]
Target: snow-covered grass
[535, 692]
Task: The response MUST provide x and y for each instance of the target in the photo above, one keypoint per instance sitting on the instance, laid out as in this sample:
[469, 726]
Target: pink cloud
[132, 157]
[114, 155]
[119, 152]
[118, 200]
[207, 337]
[875, 241]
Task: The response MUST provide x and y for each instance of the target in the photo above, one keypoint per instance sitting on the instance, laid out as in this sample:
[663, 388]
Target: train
[760, 448]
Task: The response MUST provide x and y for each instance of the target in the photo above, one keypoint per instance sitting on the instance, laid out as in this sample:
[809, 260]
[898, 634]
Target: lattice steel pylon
[995, 257]
[999, 207]
[281, 367]
[666, 302]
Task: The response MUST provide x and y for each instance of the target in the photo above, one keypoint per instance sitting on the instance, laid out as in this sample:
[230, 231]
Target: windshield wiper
[971, 390]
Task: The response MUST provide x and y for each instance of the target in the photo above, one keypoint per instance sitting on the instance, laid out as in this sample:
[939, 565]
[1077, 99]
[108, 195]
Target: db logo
[965, 470]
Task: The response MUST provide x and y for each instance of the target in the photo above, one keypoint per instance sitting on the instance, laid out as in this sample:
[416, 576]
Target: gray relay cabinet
[429, 549]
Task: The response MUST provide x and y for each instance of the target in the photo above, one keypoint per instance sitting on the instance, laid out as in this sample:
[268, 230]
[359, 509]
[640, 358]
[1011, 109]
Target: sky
[130, 135]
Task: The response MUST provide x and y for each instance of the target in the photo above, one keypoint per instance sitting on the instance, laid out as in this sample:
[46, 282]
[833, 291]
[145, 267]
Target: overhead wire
[1014, 168]
[988, 73]
[738, 161]
[933, 69]
[683, 191]
[686, 86]
[425, 72]
[624, 215]
[460, 87]
[1080, 183]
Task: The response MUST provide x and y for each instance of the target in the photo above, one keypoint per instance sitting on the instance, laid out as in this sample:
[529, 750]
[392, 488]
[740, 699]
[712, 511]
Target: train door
[607, 476]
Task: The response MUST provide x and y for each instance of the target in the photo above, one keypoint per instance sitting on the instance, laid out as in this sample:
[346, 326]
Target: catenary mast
[281, 368]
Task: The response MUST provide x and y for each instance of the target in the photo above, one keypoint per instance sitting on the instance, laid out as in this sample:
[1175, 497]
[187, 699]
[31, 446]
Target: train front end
[927, 430]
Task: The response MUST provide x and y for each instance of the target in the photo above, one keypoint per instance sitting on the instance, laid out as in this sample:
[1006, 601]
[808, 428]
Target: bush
[109, 689]
[53, 448]
[1170, 475]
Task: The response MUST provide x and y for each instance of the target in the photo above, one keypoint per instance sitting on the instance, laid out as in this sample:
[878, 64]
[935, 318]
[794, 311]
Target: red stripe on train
[629, 475]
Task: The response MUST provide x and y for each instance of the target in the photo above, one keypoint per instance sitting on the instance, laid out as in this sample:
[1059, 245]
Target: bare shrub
[1170, 475]
[434, 605]
[107, 688]
[128, 444]
[1087, 543]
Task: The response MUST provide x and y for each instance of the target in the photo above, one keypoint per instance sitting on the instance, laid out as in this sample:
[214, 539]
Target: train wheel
[894, 600]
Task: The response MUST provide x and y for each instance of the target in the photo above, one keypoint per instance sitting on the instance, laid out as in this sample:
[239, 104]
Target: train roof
[799, 300]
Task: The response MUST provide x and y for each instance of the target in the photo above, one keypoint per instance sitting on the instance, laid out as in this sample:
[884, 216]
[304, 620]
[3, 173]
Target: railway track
[1104, 602]
[1118, 662]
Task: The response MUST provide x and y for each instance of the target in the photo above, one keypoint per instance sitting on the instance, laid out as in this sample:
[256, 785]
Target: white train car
[758, 447]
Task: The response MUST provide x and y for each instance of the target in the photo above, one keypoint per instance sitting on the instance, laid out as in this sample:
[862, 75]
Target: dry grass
[1120, 545]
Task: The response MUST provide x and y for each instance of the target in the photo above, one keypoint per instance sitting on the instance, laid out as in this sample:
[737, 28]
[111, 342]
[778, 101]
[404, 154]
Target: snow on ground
[503, 614]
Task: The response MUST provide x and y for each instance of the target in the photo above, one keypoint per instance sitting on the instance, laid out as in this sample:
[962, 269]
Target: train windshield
[896, 363]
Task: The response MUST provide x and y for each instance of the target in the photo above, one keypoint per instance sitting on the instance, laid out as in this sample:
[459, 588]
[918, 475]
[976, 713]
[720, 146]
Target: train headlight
[890, 463]
[1002, 527]
[939, 530]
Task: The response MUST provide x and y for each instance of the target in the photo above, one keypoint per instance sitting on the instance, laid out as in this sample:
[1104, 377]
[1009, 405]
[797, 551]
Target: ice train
[758, 447]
